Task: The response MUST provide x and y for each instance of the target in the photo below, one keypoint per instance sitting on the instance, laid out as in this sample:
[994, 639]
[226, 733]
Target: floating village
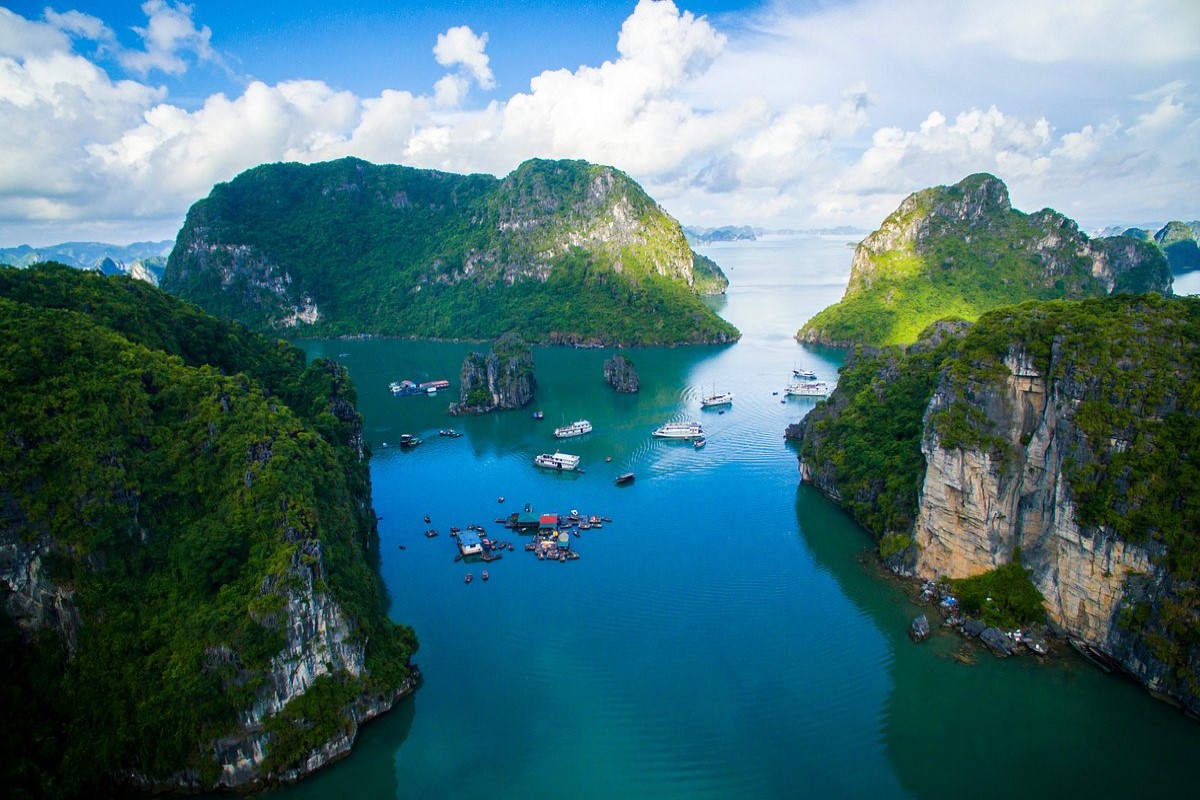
[552, 534]
[550, 537]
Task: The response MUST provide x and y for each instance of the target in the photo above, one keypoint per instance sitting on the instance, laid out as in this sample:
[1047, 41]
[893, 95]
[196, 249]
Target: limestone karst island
[662, 399]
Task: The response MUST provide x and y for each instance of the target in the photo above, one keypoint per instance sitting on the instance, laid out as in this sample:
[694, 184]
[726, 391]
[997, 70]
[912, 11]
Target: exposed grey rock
[620, 374]
[974, 627]
[997, 641]
[503, 379]
[919, 630]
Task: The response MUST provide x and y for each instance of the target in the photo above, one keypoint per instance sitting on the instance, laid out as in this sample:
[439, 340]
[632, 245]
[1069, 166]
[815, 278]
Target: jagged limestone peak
[958, 251]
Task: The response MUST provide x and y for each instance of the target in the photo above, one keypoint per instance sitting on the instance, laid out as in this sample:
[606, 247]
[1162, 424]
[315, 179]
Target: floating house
[548, 523]
[469, 543]
[527, 520]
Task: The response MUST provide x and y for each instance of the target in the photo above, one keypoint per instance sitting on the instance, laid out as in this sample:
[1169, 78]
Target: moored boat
[557, 461]
[716, 399]
[453, 434]
[808, 389]
[679, 430]
[625, 478]
[804, 374]
[407, 440]
[699, 443]
[577, 428]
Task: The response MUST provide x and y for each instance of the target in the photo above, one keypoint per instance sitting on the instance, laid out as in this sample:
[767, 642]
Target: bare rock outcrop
[620, 374]
[502, 379]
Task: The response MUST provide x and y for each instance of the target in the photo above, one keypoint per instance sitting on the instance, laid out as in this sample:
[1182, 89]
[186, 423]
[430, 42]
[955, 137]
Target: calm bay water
[726, 636]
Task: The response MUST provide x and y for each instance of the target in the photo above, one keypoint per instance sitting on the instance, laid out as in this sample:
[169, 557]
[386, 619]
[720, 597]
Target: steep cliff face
[620, 374]
[958, 251]
[502, 379]
[982, 502]
[562, 250]
[187, 546]
[1061, 435]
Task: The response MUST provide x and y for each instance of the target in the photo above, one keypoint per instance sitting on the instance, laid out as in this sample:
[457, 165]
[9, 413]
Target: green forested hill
[1087, 417]
[958, 251]
[561, 251]
[171, 486]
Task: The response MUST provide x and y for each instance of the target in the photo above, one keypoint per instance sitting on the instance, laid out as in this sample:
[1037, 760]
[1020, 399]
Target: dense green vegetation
[560, 250]
[958, 251]
[1131, 367]
[868, 437]
[1003, 597]
[1178, 243]
[183, 476]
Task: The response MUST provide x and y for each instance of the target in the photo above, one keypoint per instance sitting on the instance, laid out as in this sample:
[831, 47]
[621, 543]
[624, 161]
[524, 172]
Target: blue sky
[120, 115]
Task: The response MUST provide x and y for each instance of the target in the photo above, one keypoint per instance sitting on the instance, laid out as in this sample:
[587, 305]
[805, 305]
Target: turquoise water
[726, 636]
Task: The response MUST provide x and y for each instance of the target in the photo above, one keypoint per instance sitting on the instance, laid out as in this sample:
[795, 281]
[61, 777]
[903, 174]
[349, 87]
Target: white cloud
[460, 46]
[1167, 114]
[813, 115]
[76, 23]
[1096, 31]
[169, 33]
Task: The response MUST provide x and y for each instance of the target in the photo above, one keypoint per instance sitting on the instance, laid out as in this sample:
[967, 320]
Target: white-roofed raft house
[469, 543]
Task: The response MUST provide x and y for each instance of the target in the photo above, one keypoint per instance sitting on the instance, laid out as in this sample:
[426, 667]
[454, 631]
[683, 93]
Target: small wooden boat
[468, 578]
[484, 575]
[402, 547]
[429, 534]
[426, 519]
[625, 478]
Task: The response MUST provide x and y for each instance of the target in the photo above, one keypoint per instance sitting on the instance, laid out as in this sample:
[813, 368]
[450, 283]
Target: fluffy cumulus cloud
[806, 115]
[169, 33]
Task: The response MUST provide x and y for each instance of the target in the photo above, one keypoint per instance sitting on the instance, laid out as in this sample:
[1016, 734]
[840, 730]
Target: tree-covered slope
[562, 251]
[958, 251]
[1063, 435]
[189, 578]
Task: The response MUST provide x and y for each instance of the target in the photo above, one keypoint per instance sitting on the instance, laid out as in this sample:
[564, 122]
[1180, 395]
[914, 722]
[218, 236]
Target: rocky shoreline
[1033, 639]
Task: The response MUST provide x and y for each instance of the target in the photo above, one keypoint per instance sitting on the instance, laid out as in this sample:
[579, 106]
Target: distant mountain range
[746, 233]
[143, 260]
[1177, 240]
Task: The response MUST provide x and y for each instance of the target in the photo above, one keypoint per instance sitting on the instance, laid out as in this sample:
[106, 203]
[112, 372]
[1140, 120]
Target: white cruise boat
[804, 374]
[577, 428]
[679, 430]
[809, 389]
[717, 399]
[556, 460]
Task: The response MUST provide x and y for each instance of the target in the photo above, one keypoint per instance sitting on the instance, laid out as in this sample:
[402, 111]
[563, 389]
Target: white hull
[723, 399]
[563, 462]
[680, 430]
[813, 389]
[577, 428]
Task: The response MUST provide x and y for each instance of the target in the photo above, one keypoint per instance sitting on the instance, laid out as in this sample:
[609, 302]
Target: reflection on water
[719, 638]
